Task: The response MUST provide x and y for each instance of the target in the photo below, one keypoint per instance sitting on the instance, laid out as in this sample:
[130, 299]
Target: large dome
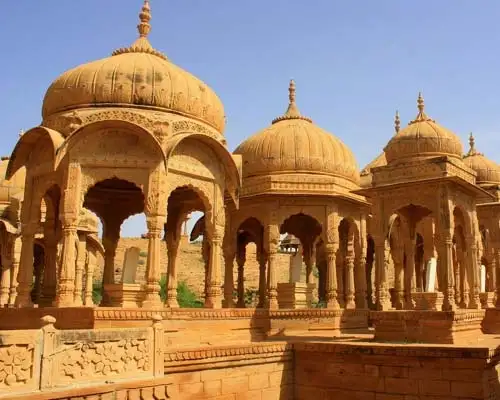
[138, 76]
[423, 137]
[488, 171]
[293, 144]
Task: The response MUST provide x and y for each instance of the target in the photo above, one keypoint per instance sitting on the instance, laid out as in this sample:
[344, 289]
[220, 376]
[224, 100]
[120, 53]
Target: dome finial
[292, 111]
[397, 122]
[420, 103]
[291, 91]
[144, 16]
[421, 116]
[142, 45]
[472, 146]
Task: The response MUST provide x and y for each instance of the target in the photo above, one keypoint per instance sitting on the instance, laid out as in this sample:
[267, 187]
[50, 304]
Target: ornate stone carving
[91, 360]
[16, 364]
[190, 126]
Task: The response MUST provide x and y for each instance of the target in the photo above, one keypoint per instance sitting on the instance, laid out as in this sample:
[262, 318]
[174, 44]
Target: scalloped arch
[225, 157]
[93, 127]
[25, 146]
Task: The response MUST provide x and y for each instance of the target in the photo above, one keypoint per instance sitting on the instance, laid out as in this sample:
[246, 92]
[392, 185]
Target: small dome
[293, 144]
[423, 137]
[488, 171]
[138, 76]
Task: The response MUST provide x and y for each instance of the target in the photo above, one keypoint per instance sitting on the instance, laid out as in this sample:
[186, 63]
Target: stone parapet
[460, 326]
[395, 371]
[51, 360]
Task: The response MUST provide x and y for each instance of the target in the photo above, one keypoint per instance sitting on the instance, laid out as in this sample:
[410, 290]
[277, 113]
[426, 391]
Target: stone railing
[48, 360]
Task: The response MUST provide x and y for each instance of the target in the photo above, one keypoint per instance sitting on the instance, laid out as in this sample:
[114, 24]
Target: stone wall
[255, 371]
[191, 264]
[396, 372]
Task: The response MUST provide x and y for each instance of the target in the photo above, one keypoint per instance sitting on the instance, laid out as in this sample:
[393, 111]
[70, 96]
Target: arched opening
[251, 260]
[308, 231]
[45, 262]
[182, 202]
[406, 251]
[113, 201]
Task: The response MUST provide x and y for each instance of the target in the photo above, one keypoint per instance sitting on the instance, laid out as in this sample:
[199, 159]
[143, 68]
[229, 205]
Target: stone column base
[487, 299]
[295, 295]
[432, 301]
[440, 327]
[124, 295]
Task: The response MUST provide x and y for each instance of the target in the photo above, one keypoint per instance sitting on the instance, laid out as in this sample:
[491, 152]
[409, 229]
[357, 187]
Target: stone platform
[198, 326]
[491, 321]
[443, 327]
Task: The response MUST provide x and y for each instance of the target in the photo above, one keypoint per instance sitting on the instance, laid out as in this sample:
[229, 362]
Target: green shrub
[143, 253]
[185, 296]
[97, 292]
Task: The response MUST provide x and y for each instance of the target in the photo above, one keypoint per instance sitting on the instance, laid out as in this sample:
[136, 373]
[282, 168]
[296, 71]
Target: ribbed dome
[488, 171]
[138, 76]
[293, 144]
[423, 137]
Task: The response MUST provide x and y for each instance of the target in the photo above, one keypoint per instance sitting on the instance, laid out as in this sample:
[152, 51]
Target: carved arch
[27, 143]
[233, 176]
[202, 188]
[94, 127]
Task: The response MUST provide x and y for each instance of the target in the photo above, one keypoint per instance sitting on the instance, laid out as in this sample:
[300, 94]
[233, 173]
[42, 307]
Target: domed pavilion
[488, 178]
[298, 179]
[425, 179]
[128, 134]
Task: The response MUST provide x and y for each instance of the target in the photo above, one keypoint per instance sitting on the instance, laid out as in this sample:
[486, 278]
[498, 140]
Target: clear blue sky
[354, 62]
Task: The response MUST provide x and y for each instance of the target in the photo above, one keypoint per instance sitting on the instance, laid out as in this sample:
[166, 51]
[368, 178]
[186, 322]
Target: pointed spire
[421, 116]
[397, 122]
[472, 146]
[145, 16]
[142, 45]
[292, 111]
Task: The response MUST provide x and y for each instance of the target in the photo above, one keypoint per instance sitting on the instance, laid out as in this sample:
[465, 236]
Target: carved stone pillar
[445, 259]
[472, 270]
[25, 275]
[205, 254]
[80, 267]
[240, 260]
[309, 260]
[341, 267]
[172, 250]
[5, 272]
[349, 263]
[91, 264]
[496, 255]
[383, 302]
[332, 300]
[65, 290]
[398, 259]
[360, 284]
[213, 298]
[272, 236]
[229, 255]
[409, 271]
[16, 260]
[111, 236]
[50, 270]
[153, 267]
[370, 258]
[463, 289]
[262, 279]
